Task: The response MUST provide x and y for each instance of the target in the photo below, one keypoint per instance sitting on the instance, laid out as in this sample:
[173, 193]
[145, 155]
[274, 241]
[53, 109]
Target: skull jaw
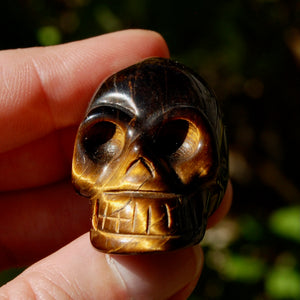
[146, 222]
[141, 244]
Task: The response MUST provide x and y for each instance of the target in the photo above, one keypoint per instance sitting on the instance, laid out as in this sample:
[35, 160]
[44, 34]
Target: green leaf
[285, 222]
[48, 35]
[243, 269]
[283, 283]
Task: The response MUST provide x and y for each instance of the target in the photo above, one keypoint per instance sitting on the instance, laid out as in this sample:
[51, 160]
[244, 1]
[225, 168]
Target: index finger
[43, 89]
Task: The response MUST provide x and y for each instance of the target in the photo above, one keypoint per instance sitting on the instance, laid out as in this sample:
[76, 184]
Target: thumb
[79, 271]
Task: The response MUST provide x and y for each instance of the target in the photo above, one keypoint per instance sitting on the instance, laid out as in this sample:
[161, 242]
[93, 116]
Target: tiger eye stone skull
[151, 155]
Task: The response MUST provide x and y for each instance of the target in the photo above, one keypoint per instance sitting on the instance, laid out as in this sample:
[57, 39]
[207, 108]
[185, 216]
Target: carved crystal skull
[151, 155]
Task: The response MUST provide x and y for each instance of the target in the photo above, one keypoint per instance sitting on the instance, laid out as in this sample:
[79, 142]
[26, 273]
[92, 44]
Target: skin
[44, 93]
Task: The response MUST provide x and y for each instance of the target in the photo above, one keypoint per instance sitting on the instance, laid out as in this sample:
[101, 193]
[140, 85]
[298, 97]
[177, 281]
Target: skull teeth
[163, 216]
[149, 214]
[169, 215]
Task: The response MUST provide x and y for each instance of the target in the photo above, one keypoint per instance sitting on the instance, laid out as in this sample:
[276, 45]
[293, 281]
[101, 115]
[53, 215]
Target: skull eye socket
[103, 140]
[178, 139]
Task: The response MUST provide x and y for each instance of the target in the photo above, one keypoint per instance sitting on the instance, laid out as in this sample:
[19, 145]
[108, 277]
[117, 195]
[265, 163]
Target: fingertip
[159, 43]
[133, 45]
[160, 276]
[185, 292]
[223, 209]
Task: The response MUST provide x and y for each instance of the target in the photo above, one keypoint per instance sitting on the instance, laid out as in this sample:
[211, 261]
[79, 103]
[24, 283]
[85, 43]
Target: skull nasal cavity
[139, 168]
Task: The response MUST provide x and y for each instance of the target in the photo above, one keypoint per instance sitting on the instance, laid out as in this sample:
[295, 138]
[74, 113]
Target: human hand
[43, 94]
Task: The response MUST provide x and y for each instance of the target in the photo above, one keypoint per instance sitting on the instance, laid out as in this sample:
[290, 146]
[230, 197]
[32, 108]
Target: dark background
[249, 52]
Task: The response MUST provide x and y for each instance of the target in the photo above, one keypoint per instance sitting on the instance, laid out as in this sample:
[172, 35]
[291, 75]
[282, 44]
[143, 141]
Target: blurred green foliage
[249, 52]
[48, 35]
[243, 268]
[283, 283]
[286, 223]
